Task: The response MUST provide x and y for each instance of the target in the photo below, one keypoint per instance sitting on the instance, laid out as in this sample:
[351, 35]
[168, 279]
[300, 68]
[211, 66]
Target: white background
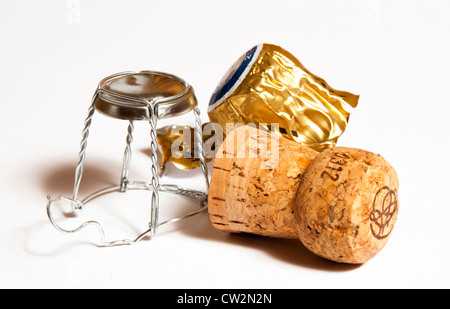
[395, 54]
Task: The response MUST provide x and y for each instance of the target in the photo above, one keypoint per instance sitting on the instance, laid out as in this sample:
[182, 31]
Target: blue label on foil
[232, 76]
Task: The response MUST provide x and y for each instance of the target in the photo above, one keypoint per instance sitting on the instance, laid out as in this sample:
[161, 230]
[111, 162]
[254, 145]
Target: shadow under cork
[290, 251]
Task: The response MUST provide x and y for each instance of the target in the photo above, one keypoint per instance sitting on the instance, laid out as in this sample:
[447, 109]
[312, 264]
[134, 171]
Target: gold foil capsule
[269, 85]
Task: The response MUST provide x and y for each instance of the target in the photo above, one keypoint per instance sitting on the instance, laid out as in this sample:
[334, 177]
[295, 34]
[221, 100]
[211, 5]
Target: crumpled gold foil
[266, 86]
[179, 146]
[277, 88]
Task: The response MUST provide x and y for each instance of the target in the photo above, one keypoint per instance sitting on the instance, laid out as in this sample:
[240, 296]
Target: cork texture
[254, 183]
[347, 204]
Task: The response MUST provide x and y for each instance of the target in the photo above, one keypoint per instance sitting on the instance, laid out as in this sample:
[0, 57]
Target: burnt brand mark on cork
[384, 207]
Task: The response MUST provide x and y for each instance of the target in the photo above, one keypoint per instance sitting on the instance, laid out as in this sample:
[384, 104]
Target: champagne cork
[341, 203]
[254, 182]
[347, 204]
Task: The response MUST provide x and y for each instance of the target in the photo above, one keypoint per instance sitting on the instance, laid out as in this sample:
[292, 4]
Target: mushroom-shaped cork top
[347, 204]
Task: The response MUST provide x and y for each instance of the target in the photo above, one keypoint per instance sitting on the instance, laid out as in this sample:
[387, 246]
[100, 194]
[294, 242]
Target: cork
[347, 204]
[254, 182]
[342, 203]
